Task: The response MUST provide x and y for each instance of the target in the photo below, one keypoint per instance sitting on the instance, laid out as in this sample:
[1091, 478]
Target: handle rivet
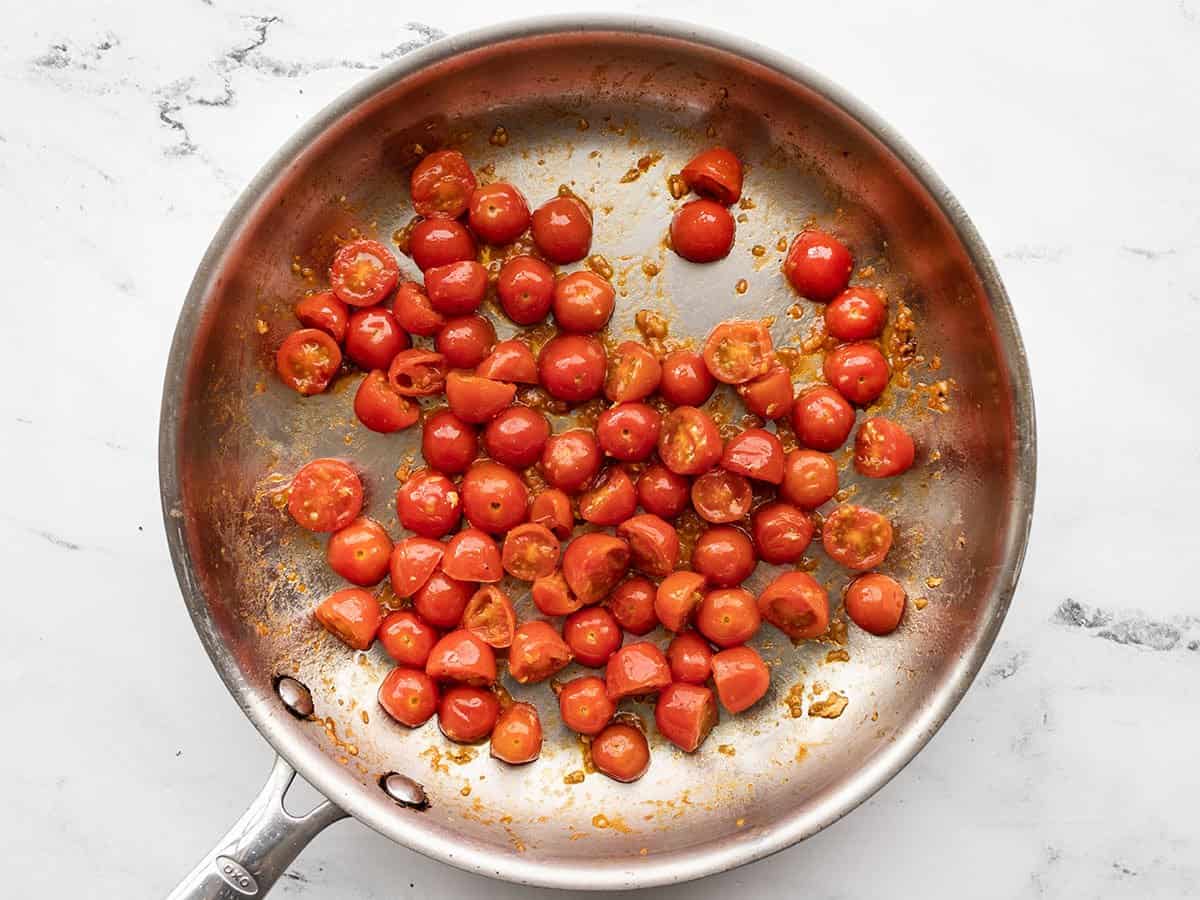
[295, 696]
[404, 790]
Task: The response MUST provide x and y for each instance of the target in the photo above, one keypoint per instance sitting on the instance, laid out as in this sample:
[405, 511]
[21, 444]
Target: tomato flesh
[517, 735]
[363, 273]
[737, 352]
[857, 537]
[307, 360]
[325, 495]
[797, 605]
[685, 714]
[472, 555]
[875, 603]
[741, 677]
[351, 615]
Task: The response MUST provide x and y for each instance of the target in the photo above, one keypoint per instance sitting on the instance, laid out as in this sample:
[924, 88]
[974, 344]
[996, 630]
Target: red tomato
[552, 508]
[583, 302]
[882, 449]
[553, 597]
[756, 454]
[620, 751]
[570, 460]
[360, 552]
[593, 564]
[516, 437]
[407, 638]
[738, 351]
[796, 604]
[770, 395]
[526, 289]
[472, 555]
[856, 314]
[363, 273]
[374, 338]
[724, 555]
[781, 532]
[633, 374]
[494, 498]
[875, 603]
[325, 312]
[686, 380]
[466, 715]
[537, 652]
[442, 184]
[490, 617]
[562, 229]
[440, 242]
[465, 341]
[517, 736]
[461, 656]
[441, 601]
[636, 669]
[715, 173]
[381, 407]
[307, 360]
[702, 231]
[414, 560]
[720, 496]
[593, 635]
[822, 418]
[409, 696]
[448, 443]
[530, 552]
[858, 371]
[418, 373]
[690, 658]
[653, 544]
[818, 265]
[611, 500]
[728, 617]
[352, 616]
[498, 213]
[677, 598]
[584, 705]
[571, 367]
[428, 503]
[856, 537]
[632, 605]
[685, 714]
[662, 492]
[413, 311]
[325, 495]
[629, 431]
[810, 478]
[741, 678]
[689, 443]
[477, 400]
[509, 361]
[456, 289]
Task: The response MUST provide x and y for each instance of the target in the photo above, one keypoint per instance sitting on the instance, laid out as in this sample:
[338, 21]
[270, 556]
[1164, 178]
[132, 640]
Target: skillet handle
[258, 849]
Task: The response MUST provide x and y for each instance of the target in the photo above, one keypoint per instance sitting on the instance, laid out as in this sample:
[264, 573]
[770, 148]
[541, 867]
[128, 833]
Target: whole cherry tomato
[677, 598]
[689, 443]
[448, 443]
[857, 537]
[755, 453]
[822, 418]
[463, 657]
[418, 373]
[494, 498]
[741, 677]
[562, 229]
[570, 460]
[409, 696]
[381, 407]
[583, 302]
[620, 751]
[472, 555]
[466, 341]
[552, 508]
[611, 500]
[414, 560]
[552, 596]
[360, 552]
[530, 552]
[796, 604]
[875, 603]
[440, 242]
[428, 503]
[770, 395]
[883, 449]
[739, 351]
[442, 600]
[685, 714]
[629, 431]
[662, 492]
[526, 289]
[728, 616]
[858, 371]
[352, 615]
[509, 361]
[702, 231]
[781, 532]
[325, 312]
[810, 478]
[441, 185]
[363, 273]
[818, 265]
[407, 638]
[307, 360]
[516, 437]
[373, 338]
[593, 564]
[517, 736]
[715, 173]
[325, 495]
[584, 705]
[537, 652]
[686, 380]
[856, 314]
[477, 400]
[633, 373]
[653, 544]
[636, 669]
[723, 555]
[490, 617]
[571, 367]
[413, 311]
[593, 635]
[720, 496]
[466, 715]
[498, 212]
[456, 289]
[632, 605]
[690, 658]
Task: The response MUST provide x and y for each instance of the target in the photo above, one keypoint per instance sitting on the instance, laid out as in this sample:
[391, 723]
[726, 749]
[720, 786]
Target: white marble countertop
[1068, 132]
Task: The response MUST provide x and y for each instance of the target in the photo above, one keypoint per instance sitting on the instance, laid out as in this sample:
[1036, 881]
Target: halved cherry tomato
[822, 418]
[552, 508]
[476, 399]
[796, 604]
[662, 492]
[413, 311]
[537, 652]
[728, 616]
[721, 496]
[738, 351]
[810, 478]
[875, 603]
[442, 184]
[571, 367]
[526, 289]
[414, 560]
[741, 677]
[360, 552]
[653, 544]
[856, 537]
[636, 669]
[584, 705]
[325, 495]
[856, 314]
[690, 658]
[818, 265]
[612, 499]
[562, 229]
[593, 635]
[570, 460]
[440, 242]
[407, 638]
[883, 449]
[324, 311]
[689, 443]
[409, 696]
[685, 714]
[629, 431]
[770, 395]
[530, 552]
[466, 341]
[441, 600]
[516, 437]
[593, 564]
[755, 453]
[723, 555]
[620, 751]
[633, 373]
[466, 715]
[418, 373]
[583, 302]
[490, 617]
[494, 498]
[498, 212]
[632, 605]
[381, 407]
[307, 360]
[509, 361]
[428, 503]
[702, 231]
[363, 273]
[517, 737]
[715, 173]
[456, 289]
[448, 443]
[677, 598]
[781, 532]
[858, 371]
[373, 338]
[686, 380]
[472, 555]
[552, 596]
[352, 615]
[462, 656]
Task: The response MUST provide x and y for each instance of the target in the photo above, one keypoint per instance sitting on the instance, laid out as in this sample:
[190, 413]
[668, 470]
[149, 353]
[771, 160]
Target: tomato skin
[552, 596]
[738, 351]
[716, 173]
[572, 367]
[724, 556]
[325, 495]
[498, 213]
[562, 229]
[509, 361]
[741, 677]
[537, 652]
[593, 564]
[653, 544]
[611, 500]
[818, 265]
[782, 532]
[552, 508]
[442, 184]
[632, 605]
[858, 371]
[677, 598]
[381, 407]
[363, 273]
[662, 492]
[883, 449]
[440, 242]
[418, 373]
[583, 302]
[570, 460]
[466, 715]
[584, 705]
[755, 453]
[856, 314]
[620, 751]
[689, 443]
[531, 551]
[324, 311]
[797, 605]
[857, 537]
[463, 657]
[442, 600]
[526, 289]
[494, 498]
[472, 555]
[685, 714]
[490, 616]
[413, 311]
[686, 380]
[593, 635]
[875, 603]
[373, 338]
[477, 400]
[822, 418]
[360, 552]
[428, 503]
[810, 478]
[409, 696]
[728, 617]
[352, 615]
[456, 289]
[636, 669]
[702, 231]
[516, 437]
[466, 341]
[448, 443]
[407, 638]
[413, 561]
[517, 737]
[690, 658]
[307, 360]
[769, 396]
[629, 431]
[720, 496]
[633, 373]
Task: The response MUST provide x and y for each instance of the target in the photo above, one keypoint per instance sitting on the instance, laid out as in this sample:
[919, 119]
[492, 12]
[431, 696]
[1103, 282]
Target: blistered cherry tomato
[552, 596]
[690, 658]
[498, 212]
[755, 453]
[702, 231]
[770, 395]
[685, 714]
[418, 373]
[465, 341]
[363, 273]
[530, 552]
[686, 380]
[456, 289]
[677, 598]
[822, 418]
[620, 751]
[689, 443]
[611, 500]
[516, 437]
[632, 605]
[409, 696]
[440, 242]
[583, 302]
[462, 656]
[472, 555]
[728, 616]
[509, 361]
[781, 532]
[570, 460]
[720, 496]
[593, 635]
[325, 495]
[715, 173]
[360, 552]
[537, 652]
[810, 478]
[653, 544]
[796, 604]
[875, 603]
[494, 497]
[490, 617]
[584, 705]
[441, 600]
[741, 677]
[633, 373]
[324, 311]
[448, 443]
[407, 638]
[723, 555]
[593, 564]
[413, 311]
[818, 265]
[562, 229]
[629, 431]
[662, 492]
[352, 615]
[739, 351]
[428, 503]
[441, 185]
[636, 669]
[466, 715]
[552, 508]
[307, 360]
[856, 537]
[477, 400]
[526, 289]
[883, 449]
[858, 371]
[856, 314]
[517, 736]
[571, 367]
[413, 561]
[374, 338]
[381, 407]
